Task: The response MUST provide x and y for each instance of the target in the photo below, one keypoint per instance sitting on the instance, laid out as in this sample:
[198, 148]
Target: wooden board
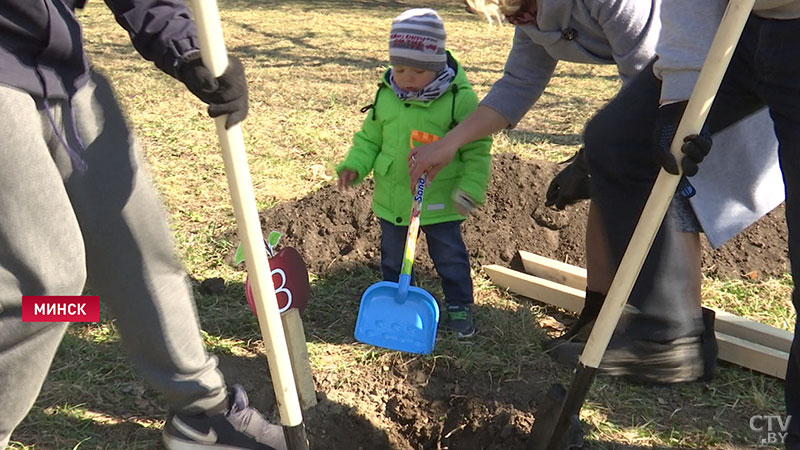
[735, 334]
[752, 356]
[752, 331]
[553, 270]
[727, 323]
[536, 288]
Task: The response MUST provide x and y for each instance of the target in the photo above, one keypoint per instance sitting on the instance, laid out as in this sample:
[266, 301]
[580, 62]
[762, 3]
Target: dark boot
[709, 342]
[579, 331]
[581, 328]
[648, 362]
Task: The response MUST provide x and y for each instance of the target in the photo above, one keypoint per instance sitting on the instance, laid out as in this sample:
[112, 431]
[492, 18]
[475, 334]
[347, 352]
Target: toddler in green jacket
[421, 97]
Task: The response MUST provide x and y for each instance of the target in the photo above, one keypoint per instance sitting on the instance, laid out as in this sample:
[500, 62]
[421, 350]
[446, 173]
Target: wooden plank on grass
[752, 356]
[752, 331]
[727, 323]
[546, 291]
[553, 270]
[738, 350]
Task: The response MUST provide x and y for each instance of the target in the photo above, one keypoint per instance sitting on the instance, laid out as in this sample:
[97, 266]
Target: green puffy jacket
[383, 144]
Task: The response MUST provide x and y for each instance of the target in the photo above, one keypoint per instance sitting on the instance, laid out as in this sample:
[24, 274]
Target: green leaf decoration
[274, 238]
[272, 242]
[239, 255]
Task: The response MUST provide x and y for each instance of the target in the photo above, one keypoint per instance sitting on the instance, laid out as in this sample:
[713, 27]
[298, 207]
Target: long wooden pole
[215, 58]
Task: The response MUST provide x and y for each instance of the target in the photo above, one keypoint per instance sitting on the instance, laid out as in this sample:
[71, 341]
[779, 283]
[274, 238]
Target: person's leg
[623, 170]
[777, 66]
[451, 260]
[41, 251]
[133, 268]
[130, 257]
[623, 167]
[667, 319]
[449, 254]
[599, 274]
[785, 110]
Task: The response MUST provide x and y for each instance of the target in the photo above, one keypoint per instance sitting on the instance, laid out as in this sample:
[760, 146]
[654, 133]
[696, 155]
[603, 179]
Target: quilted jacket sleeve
[367, 144]
[162, 31]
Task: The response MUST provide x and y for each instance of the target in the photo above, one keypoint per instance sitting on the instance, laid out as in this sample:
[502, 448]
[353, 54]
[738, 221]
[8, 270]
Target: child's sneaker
[240, 428]
[458, 319]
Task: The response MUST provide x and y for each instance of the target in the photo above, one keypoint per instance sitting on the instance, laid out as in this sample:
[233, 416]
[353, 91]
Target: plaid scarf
[432, 91]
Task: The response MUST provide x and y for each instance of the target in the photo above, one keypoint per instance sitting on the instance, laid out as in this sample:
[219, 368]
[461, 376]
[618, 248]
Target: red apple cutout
[290, 278]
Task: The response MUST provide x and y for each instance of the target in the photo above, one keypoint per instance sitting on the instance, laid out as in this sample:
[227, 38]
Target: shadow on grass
[608, 445]
[93, 399]
[362, 6]
[297, 51]
[587, 76]
[430, 395]
[60, 430]
[533, 137]
[477, 394]
[483, 391]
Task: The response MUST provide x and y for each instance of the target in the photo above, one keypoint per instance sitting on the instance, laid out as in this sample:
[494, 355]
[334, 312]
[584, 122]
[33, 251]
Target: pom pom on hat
[417, 39]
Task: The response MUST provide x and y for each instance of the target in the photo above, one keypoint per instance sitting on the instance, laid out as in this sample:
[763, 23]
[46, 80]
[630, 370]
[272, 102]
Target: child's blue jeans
[447, 250]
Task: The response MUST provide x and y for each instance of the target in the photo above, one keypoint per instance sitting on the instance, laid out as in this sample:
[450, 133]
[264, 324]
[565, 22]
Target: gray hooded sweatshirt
[686, 38]
[621, 32]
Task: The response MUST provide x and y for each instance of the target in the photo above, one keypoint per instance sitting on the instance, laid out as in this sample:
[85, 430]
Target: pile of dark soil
[331, 229]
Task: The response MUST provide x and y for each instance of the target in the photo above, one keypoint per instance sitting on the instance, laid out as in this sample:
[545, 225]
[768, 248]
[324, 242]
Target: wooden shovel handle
[215, 58]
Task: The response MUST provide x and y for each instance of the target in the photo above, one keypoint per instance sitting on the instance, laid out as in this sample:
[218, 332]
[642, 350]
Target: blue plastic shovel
[398, 316]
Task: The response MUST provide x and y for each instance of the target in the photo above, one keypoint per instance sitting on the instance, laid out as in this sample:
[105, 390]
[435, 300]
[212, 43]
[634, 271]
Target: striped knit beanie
[417, 40]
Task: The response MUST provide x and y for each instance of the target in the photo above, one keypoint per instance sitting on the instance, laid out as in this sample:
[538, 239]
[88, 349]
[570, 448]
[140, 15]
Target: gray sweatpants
[60, 229]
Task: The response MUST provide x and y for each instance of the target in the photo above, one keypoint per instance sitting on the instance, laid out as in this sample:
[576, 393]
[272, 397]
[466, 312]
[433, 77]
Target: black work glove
[224, 95]
[695, 147]
[571, 184]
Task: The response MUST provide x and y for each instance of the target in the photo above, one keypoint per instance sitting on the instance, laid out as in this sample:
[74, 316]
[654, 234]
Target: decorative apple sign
[289, 276]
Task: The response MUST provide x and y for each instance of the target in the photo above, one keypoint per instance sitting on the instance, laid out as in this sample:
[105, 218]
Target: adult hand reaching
[430, 158]
[226, 94]
[694, 148]
[571, 185]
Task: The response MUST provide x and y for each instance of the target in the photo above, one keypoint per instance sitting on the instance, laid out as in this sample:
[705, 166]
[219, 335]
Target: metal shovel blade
[406, 324]
[547, 414]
